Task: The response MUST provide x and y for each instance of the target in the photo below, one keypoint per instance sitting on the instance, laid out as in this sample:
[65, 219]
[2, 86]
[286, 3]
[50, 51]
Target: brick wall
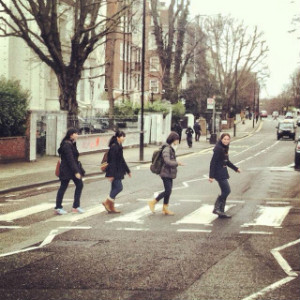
[13, 148]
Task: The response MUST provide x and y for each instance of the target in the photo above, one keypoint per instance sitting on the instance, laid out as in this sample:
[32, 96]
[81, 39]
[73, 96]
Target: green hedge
[14, 108]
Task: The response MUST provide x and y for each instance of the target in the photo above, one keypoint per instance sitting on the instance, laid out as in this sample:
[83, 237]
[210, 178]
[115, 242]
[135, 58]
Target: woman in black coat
[69, 170]
[218, 170]
[115, 170]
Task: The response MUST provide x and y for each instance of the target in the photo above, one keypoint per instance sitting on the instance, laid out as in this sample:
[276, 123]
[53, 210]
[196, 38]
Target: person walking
[168, 172]
[178, 130]
[189, 136]
[70, 169]
[197, 129]
[115, 170]
[218, 171]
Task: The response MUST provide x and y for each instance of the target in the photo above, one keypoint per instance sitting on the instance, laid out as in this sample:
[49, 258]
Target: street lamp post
[254, 96]
[143, 83]
[152, 94]
[235, 95]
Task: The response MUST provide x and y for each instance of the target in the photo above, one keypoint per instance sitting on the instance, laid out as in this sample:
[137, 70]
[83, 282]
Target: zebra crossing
[197, 219]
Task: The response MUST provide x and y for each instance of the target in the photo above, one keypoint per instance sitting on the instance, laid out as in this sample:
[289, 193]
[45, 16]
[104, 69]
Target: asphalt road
[139, 255]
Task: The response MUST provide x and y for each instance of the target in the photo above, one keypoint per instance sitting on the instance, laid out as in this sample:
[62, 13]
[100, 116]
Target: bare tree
[171, 44]
[37, 22]
[234, 52]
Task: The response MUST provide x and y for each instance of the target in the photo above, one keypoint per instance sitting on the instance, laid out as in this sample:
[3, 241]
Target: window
[153, 86]
[154, 64]
[152, 42]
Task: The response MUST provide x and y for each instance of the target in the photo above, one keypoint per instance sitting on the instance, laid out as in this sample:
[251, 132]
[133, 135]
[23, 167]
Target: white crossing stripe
[203, 215]
[73, 217]
[136, 215]
[270, 216]
[25, 212]
[194, 230]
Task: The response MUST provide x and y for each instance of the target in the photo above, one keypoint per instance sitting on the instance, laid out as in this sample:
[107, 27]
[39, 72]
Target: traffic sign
[210, 103]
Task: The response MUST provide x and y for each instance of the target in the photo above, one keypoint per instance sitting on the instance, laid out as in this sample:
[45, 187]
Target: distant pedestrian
[168, 172]
[197, 129]
[70, 169]
[178, 129]
[116, 170]
[219, 172]
[189, 136]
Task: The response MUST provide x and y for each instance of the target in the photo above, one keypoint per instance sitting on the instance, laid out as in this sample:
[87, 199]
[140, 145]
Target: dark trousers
[116, 188]
[62, 189]
[225, 191]
[197, 136]
[168, 184]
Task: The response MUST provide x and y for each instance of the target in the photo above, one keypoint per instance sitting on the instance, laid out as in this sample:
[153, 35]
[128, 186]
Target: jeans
[225, 188]
[168, 184]
[197, 136]
[62, 189]
[116, 188]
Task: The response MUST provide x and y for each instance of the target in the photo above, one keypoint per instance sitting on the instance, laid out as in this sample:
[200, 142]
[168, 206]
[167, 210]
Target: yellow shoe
[152, 204]
[165, 211]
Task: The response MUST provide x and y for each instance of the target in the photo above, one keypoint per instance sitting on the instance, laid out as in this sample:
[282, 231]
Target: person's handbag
[104, 163]
[81, 169]
[57, 169]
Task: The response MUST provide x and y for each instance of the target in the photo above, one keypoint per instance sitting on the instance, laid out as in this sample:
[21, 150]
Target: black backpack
[157, 161]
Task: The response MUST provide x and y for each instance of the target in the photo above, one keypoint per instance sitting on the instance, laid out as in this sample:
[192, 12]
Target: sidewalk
[18, 175]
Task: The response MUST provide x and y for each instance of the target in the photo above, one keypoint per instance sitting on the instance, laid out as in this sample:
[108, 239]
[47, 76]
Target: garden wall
[13, 148]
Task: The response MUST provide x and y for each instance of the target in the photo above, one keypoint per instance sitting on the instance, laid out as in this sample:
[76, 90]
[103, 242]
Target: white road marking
[269, 216]
[10, 227]
[136, 215]
[278, 202]
[73, 217]
[202, 215]
[133, 229]
[247, 149]
[45, 242]
[284, 265]
[25, 212]
[194, 230]
[256, 232]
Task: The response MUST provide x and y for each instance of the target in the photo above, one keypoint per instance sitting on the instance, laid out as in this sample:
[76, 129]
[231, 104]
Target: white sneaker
[60, 211]
[78, 210]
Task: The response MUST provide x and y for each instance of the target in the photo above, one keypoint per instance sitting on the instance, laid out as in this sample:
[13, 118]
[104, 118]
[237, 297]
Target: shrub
[178, 110]
[14, 107]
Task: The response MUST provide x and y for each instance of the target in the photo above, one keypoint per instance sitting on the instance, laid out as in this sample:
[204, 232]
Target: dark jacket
[169, 168]
[69, 160]
[117, 166]
[219, 162]
[197, 127]
[189, 132]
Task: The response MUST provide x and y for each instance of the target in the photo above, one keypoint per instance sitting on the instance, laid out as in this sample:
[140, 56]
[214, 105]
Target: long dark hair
[67, 137]
[173, 136]
[113, 139]
[70, 131]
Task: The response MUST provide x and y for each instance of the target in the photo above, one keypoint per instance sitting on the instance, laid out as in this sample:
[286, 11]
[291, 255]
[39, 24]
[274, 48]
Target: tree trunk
[68, 89]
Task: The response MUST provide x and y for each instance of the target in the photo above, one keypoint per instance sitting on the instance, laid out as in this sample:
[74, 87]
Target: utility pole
[254, 95]
[143, 83]
[235, 95]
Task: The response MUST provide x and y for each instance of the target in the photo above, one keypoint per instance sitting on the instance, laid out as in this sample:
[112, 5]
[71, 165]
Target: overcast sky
[273, 17]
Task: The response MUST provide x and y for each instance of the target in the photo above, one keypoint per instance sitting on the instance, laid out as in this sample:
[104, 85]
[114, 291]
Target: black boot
[217, 208]
[222, 209]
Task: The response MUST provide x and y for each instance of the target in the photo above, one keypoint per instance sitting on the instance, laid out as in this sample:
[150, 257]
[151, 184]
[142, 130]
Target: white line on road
[203, 216]
[45, 242]
[25, 212]
[269, 216]
[284, 265]
[194, 230]
[132, 229]
[256, 232]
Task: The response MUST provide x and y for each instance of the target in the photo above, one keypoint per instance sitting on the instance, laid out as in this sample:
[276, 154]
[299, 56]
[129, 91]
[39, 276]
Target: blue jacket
[219, 162]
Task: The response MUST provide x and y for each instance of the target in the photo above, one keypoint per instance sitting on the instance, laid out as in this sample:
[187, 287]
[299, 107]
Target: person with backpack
[168, 172]
[115, 170]
[70, 169]
[197, 129]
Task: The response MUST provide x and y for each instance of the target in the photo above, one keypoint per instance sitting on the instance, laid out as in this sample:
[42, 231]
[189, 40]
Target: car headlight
[279, 131]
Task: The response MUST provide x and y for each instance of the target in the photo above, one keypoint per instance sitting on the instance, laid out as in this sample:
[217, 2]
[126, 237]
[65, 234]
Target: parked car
[286, 129]
[289, 115]
[297, 154]
[263, 114]
[89, 126]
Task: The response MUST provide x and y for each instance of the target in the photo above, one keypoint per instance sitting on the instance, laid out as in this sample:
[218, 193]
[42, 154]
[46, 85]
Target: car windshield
[286, 126]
